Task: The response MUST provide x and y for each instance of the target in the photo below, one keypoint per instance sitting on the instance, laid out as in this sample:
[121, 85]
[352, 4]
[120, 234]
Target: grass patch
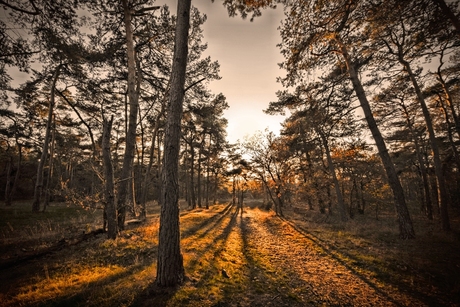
[230, 260]
[18, 222]
[373, 250]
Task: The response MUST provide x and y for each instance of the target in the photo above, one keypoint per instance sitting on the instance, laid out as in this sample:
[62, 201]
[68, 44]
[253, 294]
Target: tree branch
[36, 12]
[193, 84]
[144, 11]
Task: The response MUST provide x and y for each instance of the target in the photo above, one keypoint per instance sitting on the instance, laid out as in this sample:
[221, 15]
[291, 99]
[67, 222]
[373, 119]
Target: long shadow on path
[202, 243]
[355, 265]
[269, 285]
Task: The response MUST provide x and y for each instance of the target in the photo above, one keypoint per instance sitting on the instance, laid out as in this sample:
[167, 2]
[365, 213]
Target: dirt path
[313, 275]
[231, 260]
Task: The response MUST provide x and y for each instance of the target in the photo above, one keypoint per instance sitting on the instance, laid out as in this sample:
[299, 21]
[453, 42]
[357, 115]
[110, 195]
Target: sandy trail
[313, 275]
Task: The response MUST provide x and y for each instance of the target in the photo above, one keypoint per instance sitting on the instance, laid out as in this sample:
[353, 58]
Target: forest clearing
[124, 183]
[59, 258]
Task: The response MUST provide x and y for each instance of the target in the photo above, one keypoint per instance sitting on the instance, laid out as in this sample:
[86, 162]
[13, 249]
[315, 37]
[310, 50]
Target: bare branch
[36, 12]
[193, 84]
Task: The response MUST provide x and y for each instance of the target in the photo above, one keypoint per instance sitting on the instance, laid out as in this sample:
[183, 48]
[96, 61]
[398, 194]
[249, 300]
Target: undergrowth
[223, 258]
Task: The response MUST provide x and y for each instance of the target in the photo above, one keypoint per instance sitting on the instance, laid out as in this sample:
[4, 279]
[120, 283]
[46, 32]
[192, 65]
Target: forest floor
[231, 258]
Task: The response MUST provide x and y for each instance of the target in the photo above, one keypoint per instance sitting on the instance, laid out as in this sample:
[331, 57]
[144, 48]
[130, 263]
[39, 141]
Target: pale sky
[248, 58]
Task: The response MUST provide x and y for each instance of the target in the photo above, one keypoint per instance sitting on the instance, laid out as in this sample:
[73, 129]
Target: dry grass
[254, 259]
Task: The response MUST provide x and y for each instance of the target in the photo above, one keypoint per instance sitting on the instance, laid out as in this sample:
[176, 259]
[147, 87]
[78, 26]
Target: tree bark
[449, 132]
[133, 101]
[41, 164]
[406, 229]
[443, 194]
[449, 100]
[109, 185]
[421, 162]
[9, 168]
[208, 159]
[170, 266]
[198, 179]
[338, 192]
[50, 167]
[145, 183]
[192, 176]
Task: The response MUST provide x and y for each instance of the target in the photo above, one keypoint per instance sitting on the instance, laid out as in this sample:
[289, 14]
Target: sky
[248, 58]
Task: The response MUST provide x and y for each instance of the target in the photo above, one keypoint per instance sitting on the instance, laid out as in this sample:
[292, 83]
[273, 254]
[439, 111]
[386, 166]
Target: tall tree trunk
[198, 180]
[216, 187]
[208, 159]
[443, 194]
[41, 164]
[406, 229]
[160, 141]
[11, 186]
[145, 183]
[50, 166]
[8, 188]
[449, 132]
[449, 100]
[170, 267]
[268, 193]
[186, 176]
[109, 185]
[234, 190]
[192, 176]
[147, 177]
[133, 101]
[338, 192]
[421, 162]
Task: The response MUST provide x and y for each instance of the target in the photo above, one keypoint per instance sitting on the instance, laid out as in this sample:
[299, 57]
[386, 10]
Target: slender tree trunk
[186, 176]
[41, 164]
[170, 267]
[241, 199]
[145, 182]
[268, 192]
[133, 101]
[406, 229]
[443, 194]
[109, 185]
[160, 141]
[449, 101]
[132, 192]
[8, 188]
[421, 162]
[11, 189]
[208, 159]
[363, 200]
[147, 177]
[192, 176]
[278, 194]
[449, 132]
[50, 166]
[216, 187]
[338, 192]
[234, 190]
[198, 180]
